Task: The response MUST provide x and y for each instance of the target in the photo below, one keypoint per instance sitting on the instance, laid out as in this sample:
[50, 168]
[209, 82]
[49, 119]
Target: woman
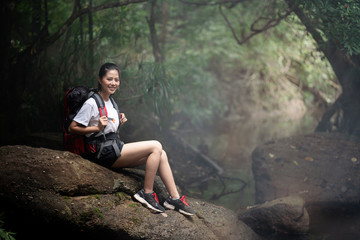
[150, 153]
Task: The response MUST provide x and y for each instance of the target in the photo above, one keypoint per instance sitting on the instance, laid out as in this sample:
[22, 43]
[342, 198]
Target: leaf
[310, 159]
[271, 155]
[354, 159]
[296, 163]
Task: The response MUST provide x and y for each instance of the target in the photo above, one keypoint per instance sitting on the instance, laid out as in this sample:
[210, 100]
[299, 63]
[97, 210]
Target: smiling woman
[88, 119]
[109, 80]
[103, 145]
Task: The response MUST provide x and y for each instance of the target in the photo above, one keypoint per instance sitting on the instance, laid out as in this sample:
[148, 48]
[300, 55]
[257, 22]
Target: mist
[212, 80]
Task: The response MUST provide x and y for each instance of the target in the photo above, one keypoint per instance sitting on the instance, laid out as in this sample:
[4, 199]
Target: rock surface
[322, 168]
[53, 194]
[285, 215]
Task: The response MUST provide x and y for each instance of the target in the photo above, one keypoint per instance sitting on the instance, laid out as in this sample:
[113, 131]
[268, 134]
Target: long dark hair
[104, 69]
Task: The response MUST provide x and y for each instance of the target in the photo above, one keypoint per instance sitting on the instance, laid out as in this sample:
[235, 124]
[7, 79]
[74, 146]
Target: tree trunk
[91, 39]
[346, 109]
[36, 17]
[348, 104]
[153, 34]
[164, 16]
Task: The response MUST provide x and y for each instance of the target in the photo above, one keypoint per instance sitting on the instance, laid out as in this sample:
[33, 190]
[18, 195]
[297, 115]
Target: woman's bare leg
[155, 159]
[167, 176]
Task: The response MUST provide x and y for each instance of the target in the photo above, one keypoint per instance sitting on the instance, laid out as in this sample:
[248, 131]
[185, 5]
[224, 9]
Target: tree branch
[207, 3]
[78, 13]
[304, 87]
[269, 24]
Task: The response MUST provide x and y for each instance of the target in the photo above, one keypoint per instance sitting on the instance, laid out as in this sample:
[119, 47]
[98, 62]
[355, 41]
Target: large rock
[50, 194]
[285, 216]
[322, 168]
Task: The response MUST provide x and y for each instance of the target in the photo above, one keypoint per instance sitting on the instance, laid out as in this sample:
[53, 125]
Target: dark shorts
[106, 154]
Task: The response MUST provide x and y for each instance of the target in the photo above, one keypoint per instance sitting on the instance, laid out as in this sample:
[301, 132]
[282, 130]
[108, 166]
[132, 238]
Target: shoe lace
[155, 197]
[184, 200]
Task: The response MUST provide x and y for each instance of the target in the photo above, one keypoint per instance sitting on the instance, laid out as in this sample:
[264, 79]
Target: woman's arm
[77, 128]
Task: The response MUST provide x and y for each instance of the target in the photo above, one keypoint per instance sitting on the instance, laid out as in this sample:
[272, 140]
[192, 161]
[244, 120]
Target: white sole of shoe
[144, 202]
[172, 207]
[186, 213]
[168, 206]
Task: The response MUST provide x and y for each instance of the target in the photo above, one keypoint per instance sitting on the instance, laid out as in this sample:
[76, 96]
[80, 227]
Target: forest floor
[323, 169]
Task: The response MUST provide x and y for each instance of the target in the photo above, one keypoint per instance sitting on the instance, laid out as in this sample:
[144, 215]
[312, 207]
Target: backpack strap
[114, 104]
[116, 107]
[99, 102]
[101, 106]
[118, 112]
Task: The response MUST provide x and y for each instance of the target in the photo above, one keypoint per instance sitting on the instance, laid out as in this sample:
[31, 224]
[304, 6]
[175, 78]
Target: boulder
[322, 168]
[50, 194]
[285, 216]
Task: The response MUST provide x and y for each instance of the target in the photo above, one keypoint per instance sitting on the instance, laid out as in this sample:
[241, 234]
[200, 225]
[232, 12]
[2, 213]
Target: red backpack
[74, 99]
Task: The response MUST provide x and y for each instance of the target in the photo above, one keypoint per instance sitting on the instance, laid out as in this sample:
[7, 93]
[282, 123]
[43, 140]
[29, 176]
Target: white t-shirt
[89, 115]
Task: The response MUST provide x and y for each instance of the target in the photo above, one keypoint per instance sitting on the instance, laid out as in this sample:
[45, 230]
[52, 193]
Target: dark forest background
[206, 71]
[183, 61]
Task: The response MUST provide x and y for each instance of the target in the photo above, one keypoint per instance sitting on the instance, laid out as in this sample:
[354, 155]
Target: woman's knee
[156, 146]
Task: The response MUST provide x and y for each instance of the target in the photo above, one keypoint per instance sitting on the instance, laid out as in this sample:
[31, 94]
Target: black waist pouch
[104, 150]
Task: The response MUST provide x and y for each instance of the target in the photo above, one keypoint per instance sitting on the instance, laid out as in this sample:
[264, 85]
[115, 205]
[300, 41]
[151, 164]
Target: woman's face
[110, 82]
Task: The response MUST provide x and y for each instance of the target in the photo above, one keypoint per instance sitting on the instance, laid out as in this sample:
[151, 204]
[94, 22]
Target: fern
[5, 235]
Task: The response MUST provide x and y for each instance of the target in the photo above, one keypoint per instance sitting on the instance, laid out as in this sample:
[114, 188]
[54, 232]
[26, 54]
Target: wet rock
[285, 216]
[322, 168]
[50, 194]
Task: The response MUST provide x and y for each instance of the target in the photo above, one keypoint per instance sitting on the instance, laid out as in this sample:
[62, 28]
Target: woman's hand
[123, 119]
[103, 121]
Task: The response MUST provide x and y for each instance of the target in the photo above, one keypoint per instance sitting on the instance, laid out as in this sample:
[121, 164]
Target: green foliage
[338, 21]
[195, 94]
[277, 62]
[4, 234]
[201, 57]
[98, 212]
[133, 205]
[169, 90]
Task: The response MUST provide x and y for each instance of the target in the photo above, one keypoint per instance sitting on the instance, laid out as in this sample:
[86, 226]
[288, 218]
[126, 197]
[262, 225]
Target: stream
[230, 144]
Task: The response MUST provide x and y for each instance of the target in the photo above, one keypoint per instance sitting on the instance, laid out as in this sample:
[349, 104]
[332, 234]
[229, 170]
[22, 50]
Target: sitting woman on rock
[120, 155]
